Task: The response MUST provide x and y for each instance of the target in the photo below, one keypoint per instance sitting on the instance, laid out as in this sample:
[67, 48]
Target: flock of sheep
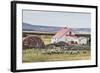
[59, 51]
[72, 50]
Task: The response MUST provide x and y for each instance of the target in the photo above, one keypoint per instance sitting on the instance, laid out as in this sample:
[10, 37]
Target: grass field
[35, 55]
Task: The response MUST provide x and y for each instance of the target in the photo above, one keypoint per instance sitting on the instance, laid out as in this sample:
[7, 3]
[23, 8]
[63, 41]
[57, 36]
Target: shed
[68, 35]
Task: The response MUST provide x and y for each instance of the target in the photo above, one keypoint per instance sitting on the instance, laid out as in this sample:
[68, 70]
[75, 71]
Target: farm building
[68, 35]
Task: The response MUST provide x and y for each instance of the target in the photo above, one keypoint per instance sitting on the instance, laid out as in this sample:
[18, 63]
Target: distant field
[46, 39]
[34, 55]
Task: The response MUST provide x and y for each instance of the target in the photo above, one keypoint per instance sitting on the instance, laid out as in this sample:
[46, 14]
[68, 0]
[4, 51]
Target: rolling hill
[51, 29]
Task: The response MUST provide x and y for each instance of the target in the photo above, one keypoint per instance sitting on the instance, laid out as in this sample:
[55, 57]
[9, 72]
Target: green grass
[34, 55]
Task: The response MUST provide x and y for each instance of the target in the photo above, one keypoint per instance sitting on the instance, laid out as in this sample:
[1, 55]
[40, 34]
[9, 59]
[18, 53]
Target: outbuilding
[68, 35]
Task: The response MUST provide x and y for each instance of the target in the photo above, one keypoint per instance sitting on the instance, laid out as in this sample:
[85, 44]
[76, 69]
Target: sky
[59, 19]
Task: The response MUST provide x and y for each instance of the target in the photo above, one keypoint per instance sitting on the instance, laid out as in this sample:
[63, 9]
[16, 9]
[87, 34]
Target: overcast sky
[62, 19]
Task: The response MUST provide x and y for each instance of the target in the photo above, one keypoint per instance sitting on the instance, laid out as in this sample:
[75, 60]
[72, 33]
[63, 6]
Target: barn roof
[62, 32]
